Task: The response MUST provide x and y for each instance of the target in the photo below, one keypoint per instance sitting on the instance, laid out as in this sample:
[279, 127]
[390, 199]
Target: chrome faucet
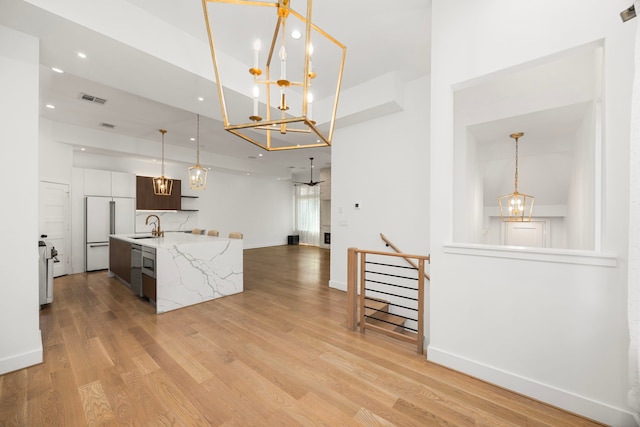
[156, 230]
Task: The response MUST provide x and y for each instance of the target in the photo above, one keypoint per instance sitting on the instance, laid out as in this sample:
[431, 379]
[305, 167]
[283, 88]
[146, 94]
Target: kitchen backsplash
[169, 221]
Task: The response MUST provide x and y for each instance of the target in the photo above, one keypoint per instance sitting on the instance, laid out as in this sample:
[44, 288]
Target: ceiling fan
[311, 182]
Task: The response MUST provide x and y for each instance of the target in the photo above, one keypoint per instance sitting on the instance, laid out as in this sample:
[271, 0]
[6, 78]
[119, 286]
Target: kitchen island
[188, 269]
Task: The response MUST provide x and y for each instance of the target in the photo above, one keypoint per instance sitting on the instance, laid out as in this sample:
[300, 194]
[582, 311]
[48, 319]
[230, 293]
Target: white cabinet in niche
[97, 182]
[123, 184]
[107, 183]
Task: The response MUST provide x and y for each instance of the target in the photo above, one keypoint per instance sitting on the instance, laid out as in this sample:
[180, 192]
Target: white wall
[383, 165]
[583, 186]
[19, 299]
[55, 160]
[558, 333]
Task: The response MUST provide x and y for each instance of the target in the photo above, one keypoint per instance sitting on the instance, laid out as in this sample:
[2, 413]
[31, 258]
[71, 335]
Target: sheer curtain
[633, 293]
[307, 202]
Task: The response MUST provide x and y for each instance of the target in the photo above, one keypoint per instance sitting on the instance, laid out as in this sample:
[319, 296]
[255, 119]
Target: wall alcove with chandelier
[556, 104]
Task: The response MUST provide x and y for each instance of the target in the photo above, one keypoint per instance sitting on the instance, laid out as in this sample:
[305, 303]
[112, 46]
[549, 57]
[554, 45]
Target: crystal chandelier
[272, 105]
[197, 174]
[516, 206]
[162, 186]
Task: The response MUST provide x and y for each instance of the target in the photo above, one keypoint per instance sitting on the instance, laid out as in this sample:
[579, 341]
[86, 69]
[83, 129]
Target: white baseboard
[338, 285]
[23, 360]
[264, 245]
[545, 393]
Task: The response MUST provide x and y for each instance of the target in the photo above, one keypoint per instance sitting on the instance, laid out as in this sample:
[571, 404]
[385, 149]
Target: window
[307, 214]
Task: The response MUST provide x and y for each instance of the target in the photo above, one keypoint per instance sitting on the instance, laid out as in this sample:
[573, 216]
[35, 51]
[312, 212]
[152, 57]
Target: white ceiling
[145, 93]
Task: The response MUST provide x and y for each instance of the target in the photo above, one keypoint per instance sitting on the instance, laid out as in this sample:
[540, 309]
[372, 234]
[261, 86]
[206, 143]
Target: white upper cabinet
[109, 184]
[97, 182]
[123, 184]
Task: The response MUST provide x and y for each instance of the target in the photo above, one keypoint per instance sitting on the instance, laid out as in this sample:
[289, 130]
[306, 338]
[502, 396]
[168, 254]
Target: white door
[54, 222]
[530, 234]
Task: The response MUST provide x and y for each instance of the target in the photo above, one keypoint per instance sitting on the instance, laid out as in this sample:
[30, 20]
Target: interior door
[54, 222]
[530, 234]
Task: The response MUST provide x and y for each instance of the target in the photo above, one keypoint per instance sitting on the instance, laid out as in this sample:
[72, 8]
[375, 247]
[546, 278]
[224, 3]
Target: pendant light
[197, 174]
[279, 82]
[514, 207]
[162, 186]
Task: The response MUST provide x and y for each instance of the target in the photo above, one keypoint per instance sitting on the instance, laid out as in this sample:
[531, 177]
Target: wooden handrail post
[352, 286]
[421, 277]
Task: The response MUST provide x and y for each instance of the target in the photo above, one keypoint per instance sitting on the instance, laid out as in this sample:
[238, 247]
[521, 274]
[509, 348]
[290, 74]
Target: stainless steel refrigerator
[104, 216]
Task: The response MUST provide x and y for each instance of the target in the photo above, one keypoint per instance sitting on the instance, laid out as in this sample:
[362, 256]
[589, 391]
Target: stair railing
[395, 248]
[387, 297]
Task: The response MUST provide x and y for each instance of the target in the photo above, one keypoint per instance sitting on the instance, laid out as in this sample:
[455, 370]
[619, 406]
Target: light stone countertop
[170, 239]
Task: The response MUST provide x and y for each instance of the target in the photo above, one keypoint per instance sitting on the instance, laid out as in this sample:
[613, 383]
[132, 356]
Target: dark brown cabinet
[147, 200]
[120, 258]
[149, 287]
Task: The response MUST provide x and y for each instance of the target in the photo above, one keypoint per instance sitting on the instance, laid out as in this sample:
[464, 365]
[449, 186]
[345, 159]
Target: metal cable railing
[385, 296]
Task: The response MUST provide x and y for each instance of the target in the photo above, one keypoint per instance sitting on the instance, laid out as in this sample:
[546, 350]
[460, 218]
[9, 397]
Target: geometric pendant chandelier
[516, 207]
[278, 74]
[162, 186]
[197, 174]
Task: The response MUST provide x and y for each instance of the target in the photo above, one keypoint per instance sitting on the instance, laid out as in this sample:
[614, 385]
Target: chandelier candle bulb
[311, 73]
[309, 105]
[283, 63]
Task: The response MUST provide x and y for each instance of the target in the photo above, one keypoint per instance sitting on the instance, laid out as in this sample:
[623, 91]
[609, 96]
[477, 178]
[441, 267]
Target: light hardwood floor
[277, 354]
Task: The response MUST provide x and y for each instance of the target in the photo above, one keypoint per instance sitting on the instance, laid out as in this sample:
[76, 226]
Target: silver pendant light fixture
[162, 186]
[197, 174]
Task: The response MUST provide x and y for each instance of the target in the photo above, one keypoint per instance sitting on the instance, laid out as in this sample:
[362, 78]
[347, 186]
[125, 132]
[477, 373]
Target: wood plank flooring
[279, 354]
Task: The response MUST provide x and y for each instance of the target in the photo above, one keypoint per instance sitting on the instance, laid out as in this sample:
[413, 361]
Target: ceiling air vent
[107, 125]
[91, 98]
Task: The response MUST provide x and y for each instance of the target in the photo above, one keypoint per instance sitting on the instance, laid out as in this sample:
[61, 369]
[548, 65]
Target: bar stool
[196, 231]
[214, 233]
[235, 235]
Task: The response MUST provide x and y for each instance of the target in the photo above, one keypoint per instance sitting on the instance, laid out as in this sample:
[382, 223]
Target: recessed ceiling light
[192, 139]
[248, 174]
[82, 149]
[295, 34]
[260, 155]
[51, 106]
[82, 55]
[57, 70]
[200, 99]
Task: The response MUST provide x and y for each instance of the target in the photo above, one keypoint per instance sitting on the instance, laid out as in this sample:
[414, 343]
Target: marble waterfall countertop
[191, 269]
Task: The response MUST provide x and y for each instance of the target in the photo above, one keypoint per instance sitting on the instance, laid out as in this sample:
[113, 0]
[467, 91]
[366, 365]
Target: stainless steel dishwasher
[136, 269]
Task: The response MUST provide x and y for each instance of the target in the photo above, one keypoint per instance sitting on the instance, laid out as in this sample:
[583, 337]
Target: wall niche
[556, 102]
